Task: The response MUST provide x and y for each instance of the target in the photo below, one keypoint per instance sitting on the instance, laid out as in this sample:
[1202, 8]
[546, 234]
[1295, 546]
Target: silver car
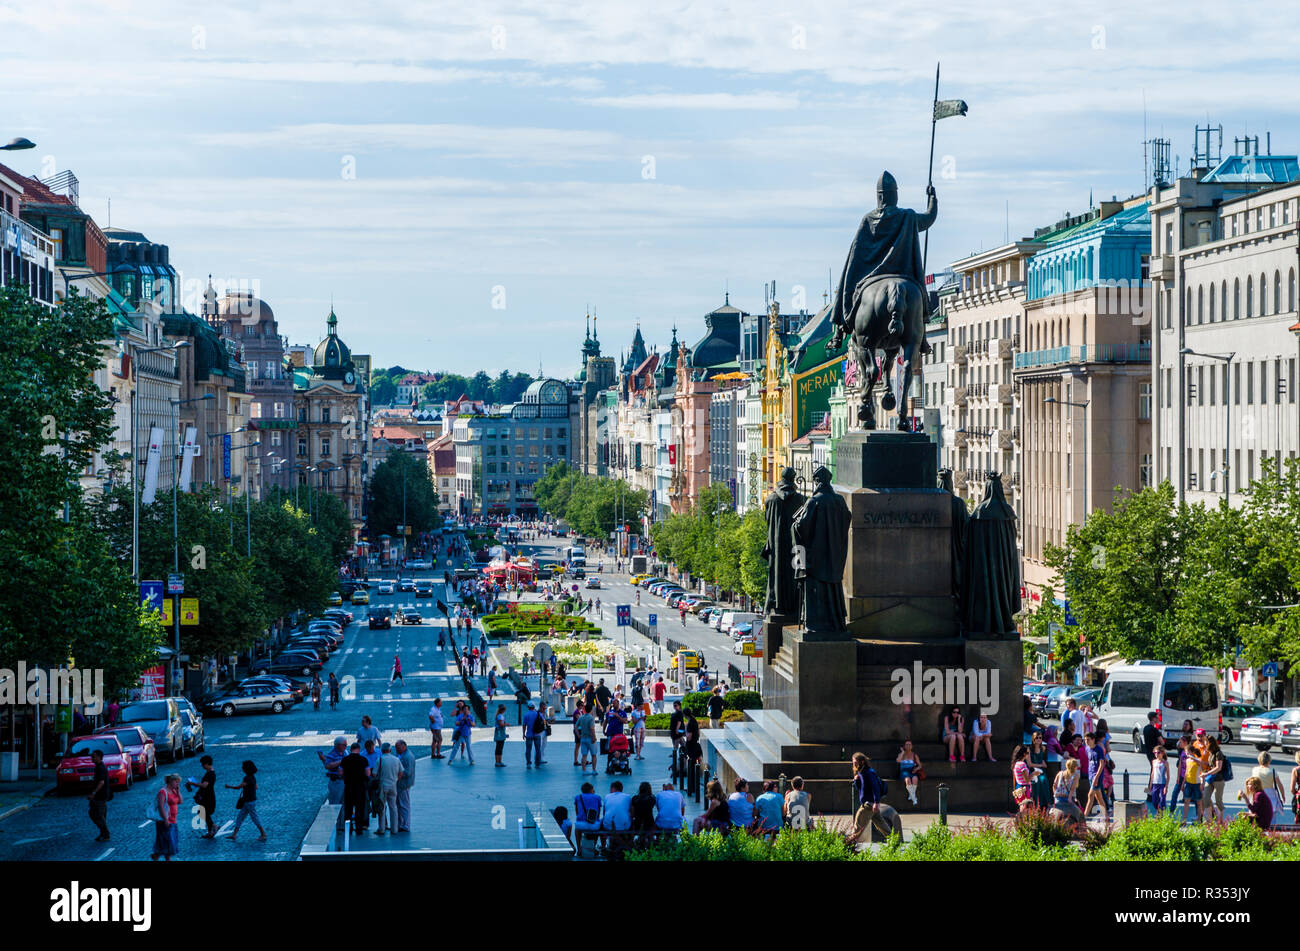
[257, 698]
[1266, 729]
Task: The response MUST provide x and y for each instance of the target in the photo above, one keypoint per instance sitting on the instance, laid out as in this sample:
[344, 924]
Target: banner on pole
[187, 457]
[946, 108]
[151, 465]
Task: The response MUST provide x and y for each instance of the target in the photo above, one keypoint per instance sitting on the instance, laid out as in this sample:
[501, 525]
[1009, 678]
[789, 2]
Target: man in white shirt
[1075, 716]
[670, 808]
[435, 726]
[618, 809]
[390, 771]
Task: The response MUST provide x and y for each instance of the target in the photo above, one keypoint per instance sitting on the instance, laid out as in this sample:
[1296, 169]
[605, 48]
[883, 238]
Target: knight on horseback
[882, 302]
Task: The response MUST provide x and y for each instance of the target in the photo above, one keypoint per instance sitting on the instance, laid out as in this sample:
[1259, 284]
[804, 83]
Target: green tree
[753, 566]
[402, 493]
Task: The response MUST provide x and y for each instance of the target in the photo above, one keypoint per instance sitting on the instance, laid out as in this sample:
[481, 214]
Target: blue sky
[417, 163]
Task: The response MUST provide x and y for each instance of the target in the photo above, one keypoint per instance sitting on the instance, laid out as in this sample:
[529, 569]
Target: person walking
[534, 734]
[397, 672]
[499, 733]
[390, 771]
[638, 729]
[404, 785]
[167, 800]
[465, 722]
[587, 745]
[660, 689]
[334, 690]
[492, 683]
[101, 792]
[716, 706]
[368, 731]
[247, 802]
[206, 797]
[435, 728]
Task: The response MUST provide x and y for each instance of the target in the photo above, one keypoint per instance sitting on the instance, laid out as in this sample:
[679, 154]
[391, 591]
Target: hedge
[697, 701]
[658, 721]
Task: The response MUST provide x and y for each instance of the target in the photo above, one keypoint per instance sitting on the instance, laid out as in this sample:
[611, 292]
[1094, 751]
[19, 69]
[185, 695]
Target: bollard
[1126, 785]
[943, 804]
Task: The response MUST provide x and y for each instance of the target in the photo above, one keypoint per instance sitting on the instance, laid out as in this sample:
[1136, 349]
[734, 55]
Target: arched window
[1212, 296]
[1263, 295]
[1290, 293]
[1200, 305]
[1277, 292]
[1250, 297]
[1223, 301]
[1187, 314]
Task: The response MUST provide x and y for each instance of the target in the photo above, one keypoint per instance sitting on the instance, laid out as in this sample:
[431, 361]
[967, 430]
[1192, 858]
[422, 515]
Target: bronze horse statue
[882, 303]
[888, 315]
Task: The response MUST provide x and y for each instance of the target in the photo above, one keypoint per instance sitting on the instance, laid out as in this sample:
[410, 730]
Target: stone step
[776, 724]
[888, 769]
[989, 796]
[756, 740]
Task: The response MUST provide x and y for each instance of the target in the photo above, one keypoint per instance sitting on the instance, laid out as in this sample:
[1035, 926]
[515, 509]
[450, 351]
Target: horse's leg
[867, 411]
[888, 402]
[907, 357]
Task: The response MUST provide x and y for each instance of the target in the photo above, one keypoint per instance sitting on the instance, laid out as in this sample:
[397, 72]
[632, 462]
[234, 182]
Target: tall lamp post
[135, 468]
[1227, 412]
[176, 538]
[248, 511]
[1083, 406]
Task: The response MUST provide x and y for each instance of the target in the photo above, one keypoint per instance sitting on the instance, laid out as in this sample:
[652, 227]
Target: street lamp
[1083, 406]
[135, 485]
[1227, 412]
[248, 511]
[176, 542]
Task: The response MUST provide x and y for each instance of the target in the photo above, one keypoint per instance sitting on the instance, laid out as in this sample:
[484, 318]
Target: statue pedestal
[828, 697]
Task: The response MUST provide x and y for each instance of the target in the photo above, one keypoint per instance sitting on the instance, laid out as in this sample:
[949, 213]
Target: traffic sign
[151, 594]
[176, 584]
[543, 652]
[190, 611]
[1269, 669]
[654, 620]
[1070, 620]
[624, 615]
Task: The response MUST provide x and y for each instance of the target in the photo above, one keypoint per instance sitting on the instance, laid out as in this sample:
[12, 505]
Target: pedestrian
[740, 805]
[683, 613]
[397, 672]
[768, 809]
[206, 797]
[587, 746]
[247, 802]
[1219, 772]
[334, 690]
[315, 691]
[483, 664]
[1268, 781]
[370, 750]
[390, 771]
[1192, 781]
[798, 805]
[492, 682]
[462, 739]
[356, 779]
[1258, 803]
[643, 808]
[114, 710]
[1064, 792]
[716, 705]
[1159, 779]
[101, 792]
[499, 733]
[660, 689]
[534, 729]
[435, 728]
[909, 765]
[1022, 779]
[368, 732]
[638, 729]
[167, 800]
[332, 761]
[1151, 736]
[1097, 776]
[670, 808]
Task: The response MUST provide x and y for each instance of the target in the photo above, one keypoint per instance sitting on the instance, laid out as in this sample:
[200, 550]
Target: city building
[27, 254]
[442, 468]
[595, 377]
[1224, 254]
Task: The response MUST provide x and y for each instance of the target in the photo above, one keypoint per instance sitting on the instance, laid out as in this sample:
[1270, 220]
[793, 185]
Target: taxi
[335, 599]
[360, 597]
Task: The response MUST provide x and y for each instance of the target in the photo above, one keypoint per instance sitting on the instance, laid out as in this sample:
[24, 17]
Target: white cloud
[715, 100]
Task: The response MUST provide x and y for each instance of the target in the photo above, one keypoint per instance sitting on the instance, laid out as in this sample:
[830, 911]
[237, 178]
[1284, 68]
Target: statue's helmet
[821, 475]
[787, 475]
[887, 189]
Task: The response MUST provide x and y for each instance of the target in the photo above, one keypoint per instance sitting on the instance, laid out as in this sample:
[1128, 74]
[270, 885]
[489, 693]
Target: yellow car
[360, 597]
[637, 579]
[688, 660]
[335, 599]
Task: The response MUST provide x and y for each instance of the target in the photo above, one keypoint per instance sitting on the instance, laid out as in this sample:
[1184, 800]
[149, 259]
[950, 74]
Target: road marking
[147, 822]
[254, 736]
[106, 853]
[284, 733]
[310, 733]
[227, 828]
[369, 696]
[226, 736]
[291, 752]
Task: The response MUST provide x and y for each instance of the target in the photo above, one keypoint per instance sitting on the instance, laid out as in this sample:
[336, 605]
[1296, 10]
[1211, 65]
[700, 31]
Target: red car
[137, 744]
[76, 770]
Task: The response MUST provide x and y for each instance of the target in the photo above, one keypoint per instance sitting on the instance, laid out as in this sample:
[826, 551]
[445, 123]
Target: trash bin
[8, 767]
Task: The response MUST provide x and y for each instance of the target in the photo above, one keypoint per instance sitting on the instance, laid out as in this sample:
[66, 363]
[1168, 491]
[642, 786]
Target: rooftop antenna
[1210, 155]
[1146, 186]
[726, 290]
[110, 212]
[1006, 230]
[1159, 162]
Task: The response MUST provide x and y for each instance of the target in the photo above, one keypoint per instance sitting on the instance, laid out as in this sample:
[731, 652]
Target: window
[1277, 292]
[275, 437]
[1131, 693]
[324, 414]
[1144, 471]
[1190, 697]
[324, 446]
[1250, 383]
[1236, 384]
[1236, 298]
[1263, 382]
[561, 433]
[546, 433]
[1250, 297]
[1200, 385]
[302, 446]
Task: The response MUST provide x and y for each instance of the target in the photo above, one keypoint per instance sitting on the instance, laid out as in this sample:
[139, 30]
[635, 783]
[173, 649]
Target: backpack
[879, 787]
[1226, 773]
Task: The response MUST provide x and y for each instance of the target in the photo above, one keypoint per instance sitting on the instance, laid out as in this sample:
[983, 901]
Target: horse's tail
[895, 300]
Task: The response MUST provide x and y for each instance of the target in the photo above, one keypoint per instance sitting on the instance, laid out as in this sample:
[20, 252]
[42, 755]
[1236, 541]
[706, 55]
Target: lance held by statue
[779, 510]
[821, 537]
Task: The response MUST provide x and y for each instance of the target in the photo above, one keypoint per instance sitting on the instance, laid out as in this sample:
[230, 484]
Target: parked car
[412, 617]
[742, 631]
[1265, 730]
[192, 729]
[257, 698]
[381, 619]
[699, 607]
[730, 619]
[138, 745]
[307, 645]
[1289, 739]
[1056, 697]
[340, 616]
[1039, 697]
[76, 770]
[335, 599]
[1233, 716]
[288, 662]
[298, 688]
[161, 719]
[739, 646]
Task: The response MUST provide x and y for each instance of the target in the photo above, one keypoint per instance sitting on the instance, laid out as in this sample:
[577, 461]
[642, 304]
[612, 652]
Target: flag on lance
[947, 108]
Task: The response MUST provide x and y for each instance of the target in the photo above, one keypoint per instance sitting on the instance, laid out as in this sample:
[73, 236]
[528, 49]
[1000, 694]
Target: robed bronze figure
[779, 510]
[821, 529]
[992, 567]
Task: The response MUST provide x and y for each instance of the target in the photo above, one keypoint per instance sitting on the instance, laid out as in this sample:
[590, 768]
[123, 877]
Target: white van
[731, 618]
[1177, 693]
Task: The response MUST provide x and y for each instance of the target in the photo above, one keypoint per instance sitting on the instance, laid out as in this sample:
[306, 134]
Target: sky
[465, 181]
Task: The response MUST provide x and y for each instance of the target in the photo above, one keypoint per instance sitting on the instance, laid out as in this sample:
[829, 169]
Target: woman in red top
[1260, 806]
[166, 841]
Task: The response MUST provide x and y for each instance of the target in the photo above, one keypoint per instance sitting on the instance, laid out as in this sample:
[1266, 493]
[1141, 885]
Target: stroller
[619, 750]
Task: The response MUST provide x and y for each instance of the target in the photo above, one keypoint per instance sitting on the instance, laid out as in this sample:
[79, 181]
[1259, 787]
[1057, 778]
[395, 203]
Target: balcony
[959, 478]
[1098, 353]
[979, 348]
[959, 394]
[1162, 267]
[1004, 438]
[1003, 393]
[959, 355]
[1015, 433]
[1003, 347]
[960, 438]
[979, 391]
